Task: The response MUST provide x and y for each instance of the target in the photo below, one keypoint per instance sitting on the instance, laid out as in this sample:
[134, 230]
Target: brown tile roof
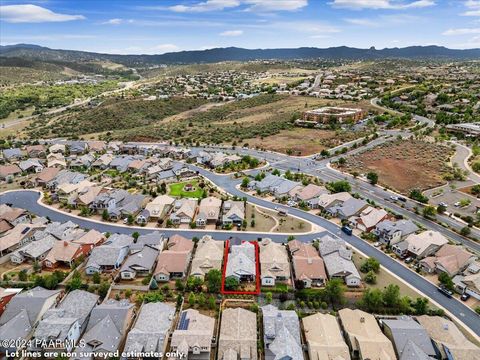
[6, 170]
[47, 174]
[63, 251]
[171, 261]
[93, 237]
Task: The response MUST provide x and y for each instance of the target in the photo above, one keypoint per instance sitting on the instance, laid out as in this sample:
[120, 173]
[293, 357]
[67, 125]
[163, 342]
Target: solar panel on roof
[181, 323]
[24, 231]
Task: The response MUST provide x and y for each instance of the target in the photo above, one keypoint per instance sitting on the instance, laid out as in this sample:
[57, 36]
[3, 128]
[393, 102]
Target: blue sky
[150, 27]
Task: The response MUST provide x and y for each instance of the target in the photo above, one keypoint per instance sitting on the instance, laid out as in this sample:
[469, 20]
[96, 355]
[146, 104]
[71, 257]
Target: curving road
[28, 200]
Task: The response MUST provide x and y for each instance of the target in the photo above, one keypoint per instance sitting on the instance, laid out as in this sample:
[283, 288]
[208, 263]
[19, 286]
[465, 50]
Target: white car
[377, 244]
[457, 204]
[394, 198]
[125, 221]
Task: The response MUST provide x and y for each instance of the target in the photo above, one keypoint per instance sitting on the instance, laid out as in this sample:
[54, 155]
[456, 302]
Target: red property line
[257, 277]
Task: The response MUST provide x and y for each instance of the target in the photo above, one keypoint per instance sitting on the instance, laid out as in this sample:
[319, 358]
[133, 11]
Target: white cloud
[381, 4]
[232, 33]
[473, 6]
[463, 31]
[251, 5]
[113, 22]
[362, 22]
[275, 5]
[208, 5]
[29, 13]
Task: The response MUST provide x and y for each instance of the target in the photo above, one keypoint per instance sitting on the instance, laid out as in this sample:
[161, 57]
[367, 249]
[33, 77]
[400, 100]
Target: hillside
[33, 52]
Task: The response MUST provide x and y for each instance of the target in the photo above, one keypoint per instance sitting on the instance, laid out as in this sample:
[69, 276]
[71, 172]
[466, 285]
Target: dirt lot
[404, 165]
[303, 141]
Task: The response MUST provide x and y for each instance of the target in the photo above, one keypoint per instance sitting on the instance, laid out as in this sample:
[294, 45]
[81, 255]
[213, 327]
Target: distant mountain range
[35, 52]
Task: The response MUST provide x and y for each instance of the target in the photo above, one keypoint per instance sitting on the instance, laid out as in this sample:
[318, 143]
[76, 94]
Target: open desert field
[404, 165]
[302, 141]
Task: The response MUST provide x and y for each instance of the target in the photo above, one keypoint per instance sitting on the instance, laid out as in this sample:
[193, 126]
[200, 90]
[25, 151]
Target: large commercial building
[329, 114]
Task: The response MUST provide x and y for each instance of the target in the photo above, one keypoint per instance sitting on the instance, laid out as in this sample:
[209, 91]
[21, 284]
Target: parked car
[408, 260]
[457, 204]
[377, 244]
[443, 204]
[445, 291]
[394, 198]
[347, 230]
[465, 297]
[402, 199]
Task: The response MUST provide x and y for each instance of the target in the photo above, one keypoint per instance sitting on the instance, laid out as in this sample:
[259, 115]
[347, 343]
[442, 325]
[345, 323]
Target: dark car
[400, 198]
[445, 291]
[347, 230]
[465, 297]
[408, 260]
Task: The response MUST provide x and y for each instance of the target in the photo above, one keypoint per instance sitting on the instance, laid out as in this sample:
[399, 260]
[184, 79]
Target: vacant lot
[301, 141]
[404, 165]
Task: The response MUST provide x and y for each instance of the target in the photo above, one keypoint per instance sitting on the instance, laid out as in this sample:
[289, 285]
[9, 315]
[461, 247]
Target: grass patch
[178, 190]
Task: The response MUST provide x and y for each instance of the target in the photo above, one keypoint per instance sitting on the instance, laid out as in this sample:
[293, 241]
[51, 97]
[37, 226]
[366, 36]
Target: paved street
[28, 200]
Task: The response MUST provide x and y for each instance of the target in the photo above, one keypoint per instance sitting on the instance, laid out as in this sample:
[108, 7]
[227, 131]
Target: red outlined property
[257, 272]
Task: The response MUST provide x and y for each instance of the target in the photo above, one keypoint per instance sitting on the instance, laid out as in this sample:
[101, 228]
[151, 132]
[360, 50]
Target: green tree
[370, 264]
[194, 283]
[103, 289]
[135, 236]
[268, 297]
[50, 282]
[211, 303]
[372, 300]
[339, 186]
[429, 212]
[446, 281]
[391, 296]
[105, 216]
[372, 177]
[231, 283]
[335, 291]
[245, 182]
[191, 299]
[214, 281]
[201, 300]
[75, 282]
[22, 275]
[465, 231]
[420, 305]
[371, 277]
[153, 284]
[96, 278]
[179, 285]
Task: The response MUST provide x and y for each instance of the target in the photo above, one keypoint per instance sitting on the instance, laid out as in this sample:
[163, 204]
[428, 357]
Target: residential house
[35, 151]
[368, 219]
[209, 211]
[23, 313]
[173, 262]
[208, 256]
[451, 259]
[96, 146]
[241, 262]
[328, 201]
[56, 160]
[233, 212]
[34, 250]
[83, 161]
[13, 154]
[238, 335]
[57, 148]
[68, 192]
[274, 263]
[77, 147]
[5, 296]
[348, 208]
[184, 211]
[31, 166]
[193, 335]
[281, 334]
[89, 240]
[469, 281]
[308, 266]
[140, 263]
[107, 327]
[45, 176]
[159, 207]
[446, 336]
[154, 239]
[364, 336]
[324, 337]
[309, 195]
[151, 330]
[8, 172]
[410, 339]
[338, 261]
[422, 245]
[391, 232]
[103, 162]
[120, 163]
[118, 203]
[65, 177]
[13, 216]
[267, 184]
[110, 255]
[64, 253]
[20, 235]
[65, 323]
